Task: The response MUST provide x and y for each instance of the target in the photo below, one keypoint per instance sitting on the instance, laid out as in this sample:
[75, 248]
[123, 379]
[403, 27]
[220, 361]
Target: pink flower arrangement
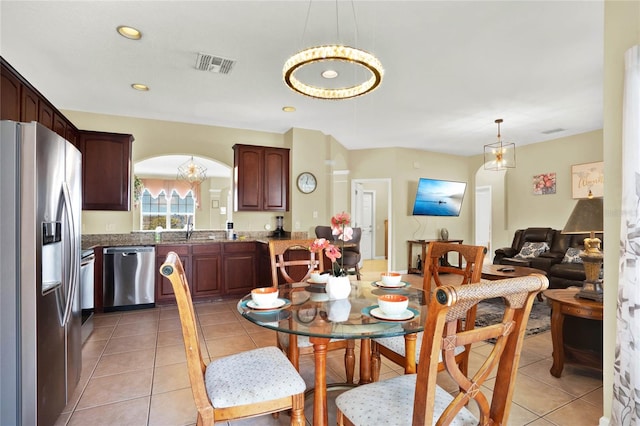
[340, 227]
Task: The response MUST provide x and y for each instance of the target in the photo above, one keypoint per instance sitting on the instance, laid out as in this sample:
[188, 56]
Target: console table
[566, 306]
[424, 244]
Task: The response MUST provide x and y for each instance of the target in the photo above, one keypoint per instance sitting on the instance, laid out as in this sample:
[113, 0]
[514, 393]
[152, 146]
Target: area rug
[490, 311]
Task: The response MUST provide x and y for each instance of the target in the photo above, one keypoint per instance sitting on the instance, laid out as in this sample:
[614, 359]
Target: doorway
[372, 198]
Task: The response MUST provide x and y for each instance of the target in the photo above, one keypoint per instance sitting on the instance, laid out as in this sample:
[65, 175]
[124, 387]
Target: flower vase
[338, 287]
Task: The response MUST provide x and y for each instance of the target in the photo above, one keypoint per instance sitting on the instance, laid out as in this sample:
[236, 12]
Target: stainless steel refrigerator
[40, 212]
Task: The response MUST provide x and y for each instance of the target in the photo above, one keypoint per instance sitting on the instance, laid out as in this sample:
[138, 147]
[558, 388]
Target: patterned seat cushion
[248, 377]
[390, 402]
[572, 256]
[396, 344]
[530, 250]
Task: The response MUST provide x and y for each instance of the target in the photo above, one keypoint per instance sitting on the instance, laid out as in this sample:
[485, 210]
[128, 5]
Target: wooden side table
[424, 244]
[564, 303]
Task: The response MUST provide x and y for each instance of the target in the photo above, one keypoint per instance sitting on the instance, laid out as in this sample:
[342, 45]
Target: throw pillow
[572, 256]
[530, 250]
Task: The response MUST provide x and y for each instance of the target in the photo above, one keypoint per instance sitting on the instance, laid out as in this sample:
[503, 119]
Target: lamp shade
[586, 217]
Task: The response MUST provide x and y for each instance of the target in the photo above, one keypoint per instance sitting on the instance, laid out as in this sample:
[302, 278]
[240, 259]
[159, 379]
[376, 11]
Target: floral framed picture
[544, 183]
[587, 177]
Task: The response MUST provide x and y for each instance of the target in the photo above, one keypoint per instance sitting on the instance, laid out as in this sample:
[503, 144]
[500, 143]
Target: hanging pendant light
[192, 172]
[327, 54]
[499, 155]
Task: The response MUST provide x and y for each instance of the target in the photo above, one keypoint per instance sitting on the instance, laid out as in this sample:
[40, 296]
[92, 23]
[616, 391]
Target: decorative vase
[444, 234]
[338, 288]
[339, 310]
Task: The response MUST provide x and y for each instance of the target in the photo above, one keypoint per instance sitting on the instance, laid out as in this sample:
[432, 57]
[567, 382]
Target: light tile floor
[134, 372]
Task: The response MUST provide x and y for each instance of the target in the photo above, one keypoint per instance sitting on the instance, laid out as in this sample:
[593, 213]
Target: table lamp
[587, 217]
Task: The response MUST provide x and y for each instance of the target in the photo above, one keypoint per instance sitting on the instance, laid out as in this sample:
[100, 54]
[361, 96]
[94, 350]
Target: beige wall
[622, 31]
[517, 205]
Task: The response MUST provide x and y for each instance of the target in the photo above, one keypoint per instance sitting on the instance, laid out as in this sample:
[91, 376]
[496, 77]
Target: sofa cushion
[570, 271]
[530, 250]
[572, 256]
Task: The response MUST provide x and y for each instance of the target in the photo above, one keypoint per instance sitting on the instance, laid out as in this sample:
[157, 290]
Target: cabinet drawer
[246, 247]
[206, 248]
[181, 250]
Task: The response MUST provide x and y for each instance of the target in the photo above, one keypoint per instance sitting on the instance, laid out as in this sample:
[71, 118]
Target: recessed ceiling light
[129, 32]
[329, 73]
[289, 109]
[140, 87]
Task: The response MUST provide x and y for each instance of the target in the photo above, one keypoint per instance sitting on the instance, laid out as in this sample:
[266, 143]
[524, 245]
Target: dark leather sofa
[561, 275]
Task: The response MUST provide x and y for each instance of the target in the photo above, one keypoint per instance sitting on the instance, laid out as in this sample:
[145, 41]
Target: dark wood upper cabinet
[10, 88]
[106, 170]
[30, 105]
[262, 181]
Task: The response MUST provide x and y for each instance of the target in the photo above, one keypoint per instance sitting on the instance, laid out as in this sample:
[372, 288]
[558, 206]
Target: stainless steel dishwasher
[128, 277]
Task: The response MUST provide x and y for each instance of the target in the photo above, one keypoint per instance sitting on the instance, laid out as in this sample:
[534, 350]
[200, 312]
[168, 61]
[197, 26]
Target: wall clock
[307, 182]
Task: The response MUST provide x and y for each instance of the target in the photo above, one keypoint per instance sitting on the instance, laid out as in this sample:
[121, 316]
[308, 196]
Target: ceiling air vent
[212, 63]
[551, 131]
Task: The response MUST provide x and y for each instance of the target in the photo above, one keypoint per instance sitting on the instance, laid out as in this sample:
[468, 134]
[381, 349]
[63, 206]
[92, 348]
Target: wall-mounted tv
[438, 197]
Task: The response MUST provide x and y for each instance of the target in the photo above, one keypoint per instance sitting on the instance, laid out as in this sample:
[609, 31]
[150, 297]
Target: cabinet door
[276, 179]
[206, 270]
[106, 165]
[30, 105]
[248, 161]
[59, 125]
[10, 100]
[164, 289]
[239, 268]
[45, 115]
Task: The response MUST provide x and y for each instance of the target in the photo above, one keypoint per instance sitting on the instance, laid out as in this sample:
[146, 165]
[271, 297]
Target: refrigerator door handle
[74, 254]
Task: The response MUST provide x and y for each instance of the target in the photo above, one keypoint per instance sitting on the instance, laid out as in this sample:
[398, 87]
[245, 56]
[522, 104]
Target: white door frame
[483, 197]
[354, 213]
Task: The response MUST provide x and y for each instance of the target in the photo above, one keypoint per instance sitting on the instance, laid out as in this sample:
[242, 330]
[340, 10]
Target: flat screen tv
[438, 197]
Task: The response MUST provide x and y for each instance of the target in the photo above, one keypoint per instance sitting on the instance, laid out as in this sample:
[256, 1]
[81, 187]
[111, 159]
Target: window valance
[182, 188]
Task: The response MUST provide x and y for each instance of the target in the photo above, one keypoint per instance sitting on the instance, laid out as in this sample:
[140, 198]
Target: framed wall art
[544, 183]
[587, 177]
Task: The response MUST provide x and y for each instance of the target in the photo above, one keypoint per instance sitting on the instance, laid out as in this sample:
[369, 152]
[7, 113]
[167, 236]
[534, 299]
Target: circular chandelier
[332, 52]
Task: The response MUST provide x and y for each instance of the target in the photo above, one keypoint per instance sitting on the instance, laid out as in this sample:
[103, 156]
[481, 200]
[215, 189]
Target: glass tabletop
[305, 309]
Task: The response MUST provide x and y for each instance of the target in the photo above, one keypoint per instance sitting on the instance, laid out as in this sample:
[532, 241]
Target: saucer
[380, 284]
[375, 312]
[279, 304]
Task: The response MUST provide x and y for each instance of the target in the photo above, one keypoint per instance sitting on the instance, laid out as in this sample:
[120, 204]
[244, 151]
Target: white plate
[380, 284]
[404, 316]
[277, 304]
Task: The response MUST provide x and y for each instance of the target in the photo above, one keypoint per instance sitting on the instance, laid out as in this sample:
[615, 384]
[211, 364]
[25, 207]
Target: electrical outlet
[297, 225]
[111, 227]
[315, 214]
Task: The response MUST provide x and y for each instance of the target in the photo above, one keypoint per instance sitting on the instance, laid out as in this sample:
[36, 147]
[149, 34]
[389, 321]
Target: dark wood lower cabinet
[239, 265]
[213, 270]
[164, 290]
[205, 270]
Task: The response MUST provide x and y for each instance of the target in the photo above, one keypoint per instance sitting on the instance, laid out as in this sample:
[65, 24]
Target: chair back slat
[278, 256]
[472, 257]
[442, 334]
[172, 269]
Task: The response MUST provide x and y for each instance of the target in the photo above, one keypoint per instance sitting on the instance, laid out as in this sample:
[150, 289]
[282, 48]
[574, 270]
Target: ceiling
[451, 67]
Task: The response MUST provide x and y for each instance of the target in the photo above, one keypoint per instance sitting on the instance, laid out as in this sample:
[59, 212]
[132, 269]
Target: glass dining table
[305, 309]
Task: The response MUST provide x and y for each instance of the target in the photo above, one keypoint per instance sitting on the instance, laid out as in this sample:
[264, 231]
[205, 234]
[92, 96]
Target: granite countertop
[90, 241]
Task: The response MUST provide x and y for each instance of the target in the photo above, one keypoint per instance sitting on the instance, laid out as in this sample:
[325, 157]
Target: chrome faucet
[189, 227]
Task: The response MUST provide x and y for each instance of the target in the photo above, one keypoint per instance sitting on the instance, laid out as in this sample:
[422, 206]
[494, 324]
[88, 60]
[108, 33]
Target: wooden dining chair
[394, 348]
[245, 384]
[417, 399]
[285, 254]
[351, 256]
